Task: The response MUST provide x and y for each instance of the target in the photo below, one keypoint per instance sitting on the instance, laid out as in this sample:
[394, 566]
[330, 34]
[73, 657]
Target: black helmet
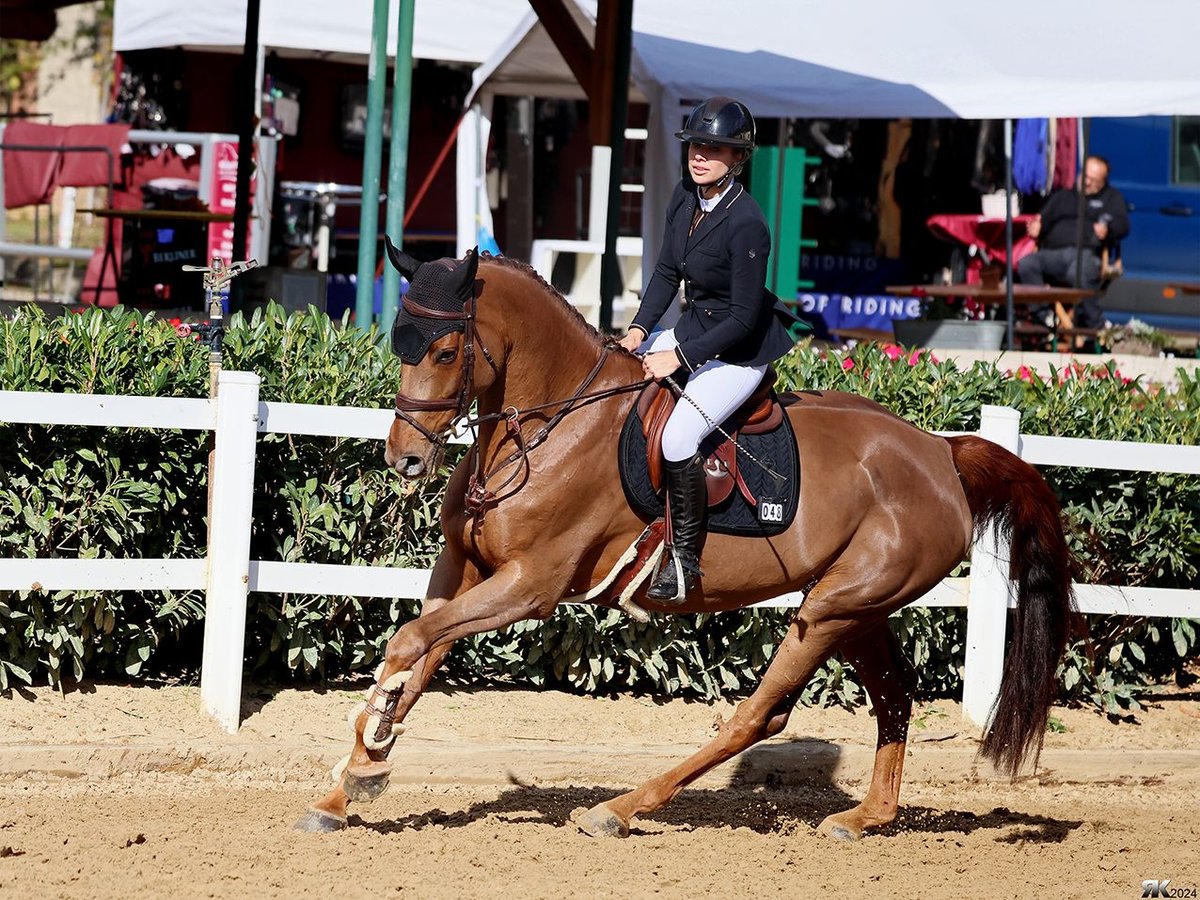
[720, 120]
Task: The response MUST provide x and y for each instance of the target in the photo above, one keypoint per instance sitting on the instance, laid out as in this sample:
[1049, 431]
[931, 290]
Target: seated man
[1106, 223]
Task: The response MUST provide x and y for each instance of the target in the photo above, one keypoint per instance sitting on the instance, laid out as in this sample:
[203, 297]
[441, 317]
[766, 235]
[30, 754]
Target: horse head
[436, 339]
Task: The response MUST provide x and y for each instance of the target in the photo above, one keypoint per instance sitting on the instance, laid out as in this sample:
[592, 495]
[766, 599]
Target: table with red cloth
[985, 234]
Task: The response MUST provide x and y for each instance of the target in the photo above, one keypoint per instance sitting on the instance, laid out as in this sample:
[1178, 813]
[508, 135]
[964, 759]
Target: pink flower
[892, 352]
[1025, 373]
[848, 364]
[914, 358]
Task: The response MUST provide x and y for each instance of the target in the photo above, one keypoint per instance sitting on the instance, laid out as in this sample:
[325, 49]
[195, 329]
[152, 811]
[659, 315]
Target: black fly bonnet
[440, 300]
[439, 292]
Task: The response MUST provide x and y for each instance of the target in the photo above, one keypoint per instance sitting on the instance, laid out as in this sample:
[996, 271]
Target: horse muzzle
[407, 462]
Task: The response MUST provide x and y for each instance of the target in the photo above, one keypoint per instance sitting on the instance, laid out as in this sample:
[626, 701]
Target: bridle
[478, 497]
[461, 403]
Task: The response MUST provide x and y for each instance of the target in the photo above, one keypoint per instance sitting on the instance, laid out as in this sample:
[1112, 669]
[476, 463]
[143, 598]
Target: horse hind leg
[890, 681]
[763, 714]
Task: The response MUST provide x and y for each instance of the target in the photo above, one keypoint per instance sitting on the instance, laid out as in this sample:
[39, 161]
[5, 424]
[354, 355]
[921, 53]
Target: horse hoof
[364, 788]
[316, 822]
[838, 830]
[599, 821]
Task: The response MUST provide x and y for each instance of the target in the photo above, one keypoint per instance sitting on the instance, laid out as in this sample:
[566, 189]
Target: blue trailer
[1155, 163]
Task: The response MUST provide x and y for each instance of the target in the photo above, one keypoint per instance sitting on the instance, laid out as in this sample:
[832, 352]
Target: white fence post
[229, 548]
[987, 603]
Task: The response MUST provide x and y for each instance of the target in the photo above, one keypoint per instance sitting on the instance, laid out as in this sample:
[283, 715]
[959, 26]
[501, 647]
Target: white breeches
[717, 387]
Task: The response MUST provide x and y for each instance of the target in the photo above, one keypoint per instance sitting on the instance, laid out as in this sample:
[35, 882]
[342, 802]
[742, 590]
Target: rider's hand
[632, 340]
[1034, 227]
[660, 365]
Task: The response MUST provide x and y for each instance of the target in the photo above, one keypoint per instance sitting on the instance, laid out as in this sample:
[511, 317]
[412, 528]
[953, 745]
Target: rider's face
[709, 163]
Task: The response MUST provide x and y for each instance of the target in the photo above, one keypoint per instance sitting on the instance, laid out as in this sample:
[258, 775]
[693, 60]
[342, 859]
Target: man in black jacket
[1106, 221]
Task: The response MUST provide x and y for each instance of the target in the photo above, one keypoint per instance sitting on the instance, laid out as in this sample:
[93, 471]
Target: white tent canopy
[451, 30]
[871, 58]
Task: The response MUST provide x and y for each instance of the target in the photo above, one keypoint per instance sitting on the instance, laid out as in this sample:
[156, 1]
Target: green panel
[784, 210]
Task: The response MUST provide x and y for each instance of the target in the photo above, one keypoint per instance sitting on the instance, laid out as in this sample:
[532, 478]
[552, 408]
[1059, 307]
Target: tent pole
[1081, 209]
[621, 35]
[1008, 231]
[398, 158]
[368, 228]
[247, 125]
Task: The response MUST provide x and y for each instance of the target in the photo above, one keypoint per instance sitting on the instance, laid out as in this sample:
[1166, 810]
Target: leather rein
[478, 496]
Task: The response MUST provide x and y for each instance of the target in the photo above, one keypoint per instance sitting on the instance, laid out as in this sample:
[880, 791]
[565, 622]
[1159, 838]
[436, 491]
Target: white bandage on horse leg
[352, 716]
[397, 680]
[336, 772]
[397, 729]
[368, 736]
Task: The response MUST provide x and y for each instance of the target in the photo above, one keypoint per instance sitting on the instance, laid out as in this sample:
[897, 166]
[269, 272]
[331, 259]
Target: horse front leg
[501, 600]
[890, 681]
[451, 574]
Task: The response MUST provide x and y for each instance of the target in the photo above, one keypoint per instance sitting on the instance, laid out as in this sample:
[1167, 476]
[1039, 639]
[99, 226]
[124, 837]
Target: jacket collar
[713, 219]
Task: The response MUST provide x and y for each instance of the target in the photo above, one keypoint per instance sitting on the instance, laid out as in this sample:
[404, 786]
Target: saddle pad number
[770, 510]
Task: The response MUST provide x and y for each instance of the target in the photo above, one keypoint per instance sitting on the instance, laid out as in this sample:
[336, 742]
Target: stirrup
[675, 581]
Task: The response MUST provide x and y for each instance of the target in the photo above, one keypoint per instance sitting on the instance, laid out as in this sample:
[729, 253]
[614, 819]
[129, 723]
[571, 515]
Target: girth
[759, 414]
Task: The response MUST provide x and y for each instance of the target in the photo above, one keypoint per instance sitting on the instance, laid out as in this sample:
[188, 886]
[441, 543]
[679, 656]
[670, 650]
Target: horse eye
[446, 356]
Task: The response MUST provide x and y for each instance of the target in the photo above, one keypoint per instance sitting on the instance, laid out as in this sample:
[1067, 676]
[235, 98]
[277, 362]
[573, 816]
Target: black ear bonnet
[443, 286]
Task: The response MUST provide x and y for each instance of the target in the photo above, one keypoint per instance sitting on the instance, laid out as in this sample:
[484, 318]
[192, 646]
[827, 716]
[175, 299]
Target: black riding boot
[687, 496]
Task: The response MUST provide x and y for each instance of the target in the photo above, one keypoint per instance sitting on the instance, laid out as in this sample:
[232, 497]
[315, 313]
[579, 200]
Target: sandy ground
[113, 791]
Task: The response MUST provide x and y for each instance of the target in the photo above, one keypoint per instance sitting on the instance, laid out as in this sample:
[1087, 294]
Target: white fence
[228, 574]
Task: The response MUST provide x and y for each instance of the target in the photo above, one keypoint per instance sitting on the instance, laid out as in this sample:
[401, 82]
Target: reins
[478, 496]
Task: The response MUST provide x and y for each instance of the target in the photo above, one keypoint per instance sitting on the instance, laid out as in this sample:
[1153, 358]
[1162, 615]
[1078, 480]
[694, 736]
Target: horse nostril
[410, 466]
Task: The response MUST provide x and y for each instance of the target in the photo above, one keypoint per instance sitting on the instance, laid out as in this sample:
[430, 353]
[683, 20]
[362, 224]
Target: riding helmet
[720, 120]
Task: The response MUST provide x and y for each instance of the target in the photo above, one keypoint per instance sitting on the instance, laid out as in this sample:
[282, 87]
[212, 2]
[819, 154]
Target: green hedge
[89, 492]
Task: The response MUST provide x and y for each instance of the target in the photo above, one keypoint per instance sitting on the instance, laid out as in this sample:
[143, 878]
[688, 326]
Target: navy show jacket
[728, 313]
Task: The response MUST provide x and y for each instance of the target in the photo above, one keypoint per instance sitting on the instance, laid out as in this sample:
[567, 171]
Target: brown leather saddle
[760, 414]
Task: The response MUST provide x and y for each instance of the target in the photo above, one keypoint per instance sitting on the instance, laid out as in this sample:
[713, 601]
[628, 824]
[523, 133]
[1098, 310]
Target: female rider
[717, 243]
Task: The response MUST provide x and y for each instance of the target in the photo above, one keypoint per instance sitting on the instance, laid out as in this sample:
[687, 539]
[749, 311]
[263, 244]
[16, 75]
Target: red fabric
[1064, 154]
[90, 169]
[985, 234]
[29, 175]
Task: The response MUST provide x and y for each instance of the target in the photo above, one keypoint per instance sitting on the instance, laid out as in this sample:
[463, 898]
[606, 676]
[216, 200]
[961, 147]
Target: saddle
[761, 413]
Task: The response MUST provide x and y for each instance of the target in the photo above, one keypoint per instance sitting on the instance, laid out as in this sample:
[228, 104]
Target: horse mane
[580, 323]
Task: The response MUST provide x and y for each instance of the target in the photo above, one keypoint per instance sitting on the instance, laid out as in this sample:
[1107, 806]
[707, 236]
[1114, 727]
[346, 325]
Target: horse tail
[1011, 496]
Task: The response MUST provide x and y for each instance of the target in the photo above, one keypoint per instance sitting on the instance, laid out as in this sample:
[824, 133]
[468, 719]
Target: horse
[535, 514]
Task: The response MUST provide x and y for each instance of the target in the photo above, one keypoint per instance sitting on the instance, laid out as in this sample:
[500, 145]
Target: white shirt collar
[709, 205]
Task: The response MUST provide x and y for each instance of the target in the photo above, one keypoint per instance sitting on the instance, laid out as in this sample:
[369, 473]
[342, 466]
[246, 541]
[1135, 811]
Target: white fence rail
[228, 574]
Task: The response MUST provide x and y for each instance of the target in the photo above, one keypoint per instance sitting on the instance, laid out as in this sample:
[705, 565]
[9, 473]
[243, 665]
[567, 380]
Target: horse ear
[461, 281]
[405, 264]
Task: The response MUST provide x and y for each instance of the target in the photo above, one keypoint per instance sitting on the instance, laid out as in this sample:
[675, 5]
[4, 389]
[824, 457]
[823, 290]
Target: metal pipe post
[247, 128]
[398, 159]
[1008, 234]
[611, 279]
[368, 229]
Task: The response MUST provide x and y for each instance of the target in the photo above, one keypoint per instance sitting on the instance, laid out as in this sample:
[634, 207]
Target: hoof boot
[599, 821]
[838, 831]
[316, 822]
[364, 788]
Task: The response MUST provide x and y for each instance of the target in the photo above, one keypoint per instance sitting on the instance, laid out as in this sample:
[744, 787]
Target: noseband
[462, 402]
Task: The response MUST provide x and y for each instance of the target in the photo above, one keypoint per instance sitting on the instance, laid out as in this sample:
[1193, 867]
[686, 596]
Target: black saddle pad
[734, 515]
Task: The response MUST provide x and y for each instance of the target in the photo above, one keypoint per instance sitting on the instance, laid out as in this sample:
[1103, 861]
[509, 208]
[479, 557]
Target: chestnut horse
[535, 514]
